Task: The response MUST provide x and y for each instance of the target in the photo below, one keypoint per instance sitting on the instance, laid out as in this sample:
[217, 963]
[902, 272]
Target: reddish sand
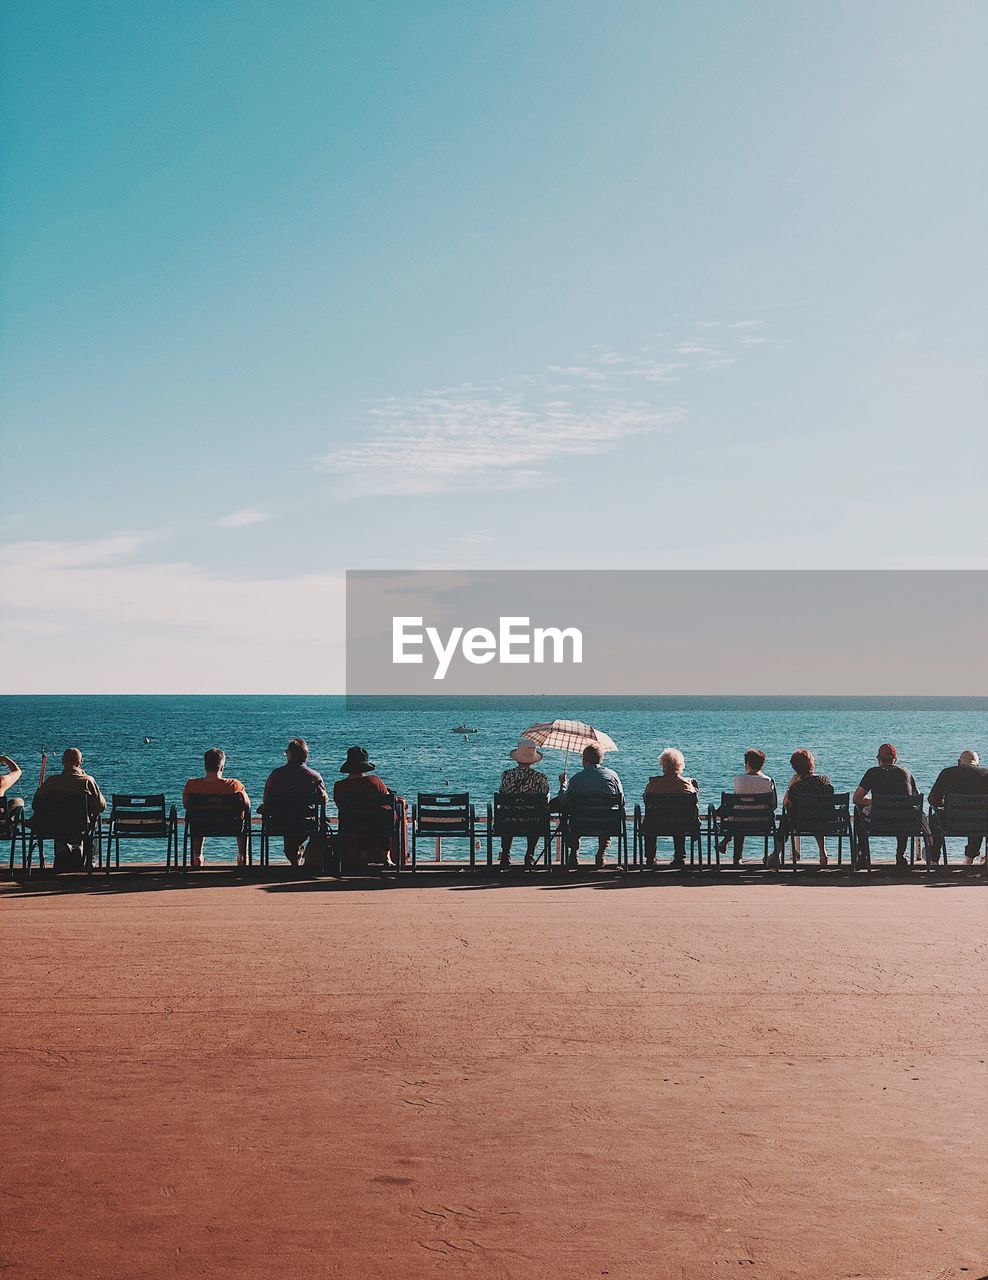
[508, 1080]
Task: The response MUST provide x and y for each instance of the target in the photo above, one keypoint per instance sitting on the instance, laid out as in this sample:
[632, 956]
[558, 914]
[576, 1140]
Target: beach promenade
[494, 1078]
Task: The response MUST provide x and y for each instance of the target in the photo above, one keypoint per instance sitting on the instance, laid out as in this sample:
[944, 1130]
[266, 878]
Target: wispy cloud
[240, 519]
[461, 438]
[506, 434]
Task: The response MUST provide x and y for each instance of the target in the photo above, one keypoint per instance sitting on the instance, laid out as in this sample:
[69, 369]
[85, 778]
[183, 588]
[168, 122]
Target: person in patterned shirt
[523, 780]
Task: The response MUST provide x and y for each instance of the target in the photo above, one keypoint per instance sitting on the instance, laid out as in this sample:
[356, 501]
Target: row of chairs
[445, 816]
[149, 817]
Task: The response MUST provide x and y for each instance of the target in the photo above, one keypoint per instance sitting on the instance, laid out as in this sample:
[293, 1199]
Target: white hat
[526, 752]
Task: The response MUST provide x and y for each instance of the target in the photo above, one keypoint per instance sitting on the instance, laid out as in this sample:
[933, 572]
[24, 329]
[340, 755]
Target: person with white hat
[523, 780]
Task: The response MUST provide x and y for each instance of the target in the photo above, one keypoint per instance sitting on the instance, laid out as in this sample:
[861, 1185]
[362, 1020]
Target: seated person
[360, 782]
[804, 782]
[592, 780]
[295, 784]
[670, 782]
[10, 779]
[750, 783]
[214, 784]
[71, 783]
[523, 780]
[887, 778]
[965, 778]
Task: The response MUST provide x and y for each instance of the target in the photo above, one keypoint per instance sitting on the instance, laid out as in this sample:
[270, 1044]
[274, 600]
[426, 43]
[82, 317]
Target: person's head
[754, 759]
[969, 757]
[526, 753]
[357, 761]
[887, 754]
[71, 758]
[297, 751]
[802, 762]
[592, 756]
[214, 759]
[672, 761]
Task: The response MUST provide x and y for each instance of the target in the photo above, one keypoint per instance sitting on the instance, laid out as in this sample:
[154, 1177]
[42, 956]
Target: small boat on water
[463, 728]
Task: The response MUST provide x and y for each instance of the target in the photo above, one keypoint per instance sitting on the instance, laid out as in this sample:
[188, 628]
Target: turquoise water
[411, 742]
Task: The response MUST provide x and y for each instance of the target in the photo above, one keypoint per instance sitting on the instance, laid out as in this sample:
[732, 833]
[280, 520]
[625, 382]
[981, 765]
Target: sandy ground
[565, 1080]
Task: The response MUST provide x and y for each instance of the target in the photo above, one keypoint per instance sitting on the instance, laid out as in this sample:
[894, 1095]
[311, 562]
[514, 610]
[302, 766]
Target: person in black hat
[361, 782]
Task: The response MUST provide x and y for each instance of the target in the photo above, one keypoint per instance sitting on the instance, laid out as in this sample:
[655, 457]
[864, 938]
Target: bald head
[969, 757]
[71, 758]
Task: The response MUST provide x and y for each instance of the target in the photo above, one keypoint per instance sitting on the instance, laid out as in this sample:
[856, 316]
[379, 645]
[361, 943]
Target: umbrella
[568, 735]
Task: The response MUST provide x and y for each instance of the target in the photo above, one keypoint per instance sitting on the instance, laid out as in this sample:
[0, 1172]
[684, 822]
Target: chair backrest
[819, 815]
[373, 816]
[964, 815]
[62, 817]
[217, 815]
[291, 816]
[515, 815]
[748, 814]
[896, 816]
[11, 814]
[438, 814]
[138, 817]
[672, 815]
[601, 815]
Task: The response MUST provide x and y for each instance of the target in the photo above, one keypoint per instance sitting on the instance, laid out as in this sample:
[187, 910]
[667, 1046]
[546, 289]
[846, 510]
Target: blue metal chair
[140, 817]
[745, 814]
[600, 816]
[372, 820]
[890, 816]
[520, 817]
[67, 820]
[444, 816]
[960, 816]
[13, 827]
[216, 816]
[668, 816]
[819, 815]
[286, 817]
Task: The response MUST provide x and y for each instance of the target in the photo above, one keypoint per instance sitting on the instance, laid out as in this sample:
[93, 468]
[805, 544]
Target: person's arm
[185, 794]
[913, 788]
[860, 794]
[936, 792]
[97, 795]
[245, 798]
[10, 778]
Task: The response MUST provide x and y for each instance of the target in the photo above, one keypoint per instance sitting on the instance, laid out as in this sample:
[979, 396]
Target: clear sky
[293, 287]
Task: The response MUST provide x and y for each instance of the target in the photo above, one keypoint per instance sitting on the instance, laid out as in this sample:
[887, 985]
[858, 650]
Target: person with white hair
[670, 782]
[965, 778]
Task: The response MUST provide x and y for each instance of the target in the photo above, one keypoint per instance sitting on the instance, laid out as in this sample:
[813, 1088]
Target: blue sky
[291, 288]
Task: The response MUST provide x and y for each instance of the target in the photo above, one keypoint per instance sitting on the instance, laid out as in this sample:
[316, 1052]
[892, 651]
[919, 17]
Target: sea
[145, 744]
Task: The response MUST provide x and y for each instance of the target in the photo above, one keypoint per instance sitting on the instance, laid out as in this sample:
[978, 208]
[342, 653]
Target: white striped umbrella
[569, 735]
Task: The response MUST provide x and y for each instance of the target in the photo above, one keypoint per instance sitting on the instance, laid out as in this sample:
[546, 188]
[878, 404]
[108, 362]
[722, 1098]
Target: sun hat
[526, 752]
[357, 761]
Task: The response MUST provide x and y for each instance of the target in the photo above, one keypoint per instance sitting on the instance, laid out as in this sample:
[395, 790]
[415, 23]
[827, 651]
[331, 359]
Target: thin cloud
[240, 519]
[508, 434]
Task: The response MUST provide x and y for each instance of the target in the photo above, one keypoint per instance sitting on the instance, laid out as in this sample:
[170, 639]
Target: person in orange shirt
[214, 784]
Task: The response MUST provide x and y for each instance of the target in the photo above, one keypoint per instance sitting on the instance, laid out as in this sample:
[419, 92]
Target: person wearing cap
[965, 778]
[295, 783]
[887, 778]
[523, 780]
[360, 783]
